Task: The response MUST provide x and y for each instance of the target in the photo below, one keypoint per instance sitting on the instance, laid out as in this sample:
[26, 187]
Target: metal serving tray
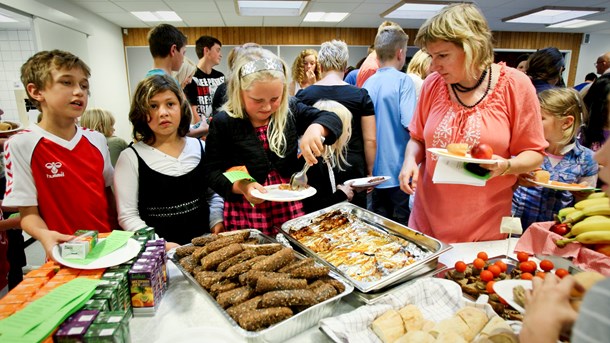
[283, 330]
[384, 226]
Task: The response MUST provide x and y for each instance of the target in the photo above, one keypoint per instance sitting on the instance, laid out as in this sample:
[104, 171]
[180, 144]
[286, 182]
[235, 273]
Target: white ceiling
[363, 13]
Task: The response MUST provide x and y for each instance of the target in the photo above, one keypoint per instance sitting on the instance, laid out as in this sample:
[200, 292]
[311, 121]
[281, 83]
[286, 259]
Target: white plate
[122, 254]
[17, 127]
[467, 158]
[504, 289]
[562, 188]
[364, 181]
[280, 195]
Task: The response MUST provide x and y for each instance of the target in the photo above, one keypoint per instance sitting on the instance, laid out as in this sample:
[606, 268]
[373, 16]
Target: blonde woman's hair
[333, 55]
[563, 102]
[235, 107]
[186, 71]
[99, 120]
[298, 72]
[336, 154]
[465, 26]
[419, 64]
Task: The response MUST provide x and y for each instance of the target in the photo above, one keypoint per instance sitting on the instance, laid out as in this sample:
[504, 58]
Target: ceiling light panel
[327, 17]
[271, 8]
[415, 11]
[576, 24]
[551, 15]
[157, 16]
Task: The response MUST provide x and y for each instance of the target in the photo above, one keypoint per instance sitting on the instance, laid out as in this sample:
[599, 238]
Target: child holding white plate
[334, 159]
[159, 179]
[258, 129]
[566, 160]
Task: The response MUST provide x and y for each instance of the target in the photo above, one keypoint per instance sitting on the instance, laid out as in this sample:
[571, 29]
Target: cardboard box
[80, 246]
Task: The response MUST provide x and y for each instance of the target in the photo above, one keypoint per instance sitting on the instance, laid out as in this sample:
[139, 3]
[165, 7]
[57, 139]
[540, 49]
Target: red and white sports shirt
[65, 179]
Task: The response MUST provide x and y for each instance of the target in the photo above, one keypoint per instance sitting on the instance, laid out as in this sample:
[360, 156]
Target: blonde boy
[59, 174]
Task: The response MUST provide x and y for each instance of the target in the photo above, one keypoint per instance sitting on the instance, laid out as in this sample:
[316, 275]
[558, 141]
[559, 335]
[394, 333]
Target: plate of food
[368, 181]
[7, 127]
[466, 157]
[121, 255]
[513, 292]
[562, 186]
[282, 193]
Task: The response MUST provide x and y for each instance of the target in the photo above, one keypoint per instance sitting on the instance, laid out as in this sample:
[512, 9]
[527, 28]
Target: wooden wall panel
[358, 36]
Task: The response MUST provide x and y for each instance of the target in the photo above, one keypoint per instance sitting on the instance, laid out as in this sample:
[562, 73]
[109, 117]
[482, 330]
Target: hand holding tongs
[298, 180]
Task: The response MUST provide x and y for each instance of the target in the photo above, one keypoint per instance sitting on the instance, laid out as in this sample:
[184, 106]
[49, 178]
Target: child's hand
[248, 186]
[311, 77]
[218, 228]
[52, 238]
[525, 180]
[348, 190]
[312, 144]
[171, 245]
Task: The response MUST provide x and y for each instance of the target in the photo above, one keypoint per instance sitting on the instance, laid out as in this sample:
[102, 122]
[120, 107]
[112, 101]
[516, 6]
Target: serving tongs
[298, 180]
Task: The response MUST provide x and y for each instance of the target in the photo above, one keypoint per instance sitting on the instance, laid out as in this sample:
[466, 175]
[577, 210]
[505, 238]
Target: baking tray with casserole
[266, 291]
[370, 251]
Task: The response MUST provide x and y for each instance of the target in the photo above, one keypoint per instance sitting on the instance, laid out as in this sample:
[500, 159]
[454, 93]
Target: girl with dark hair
[159, 180]
[544, 67]
[597, 129]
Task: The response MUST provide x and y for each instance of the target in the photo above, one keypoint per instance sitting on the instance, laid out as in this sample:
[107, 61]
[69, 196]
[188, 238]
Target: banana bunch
[589, 220]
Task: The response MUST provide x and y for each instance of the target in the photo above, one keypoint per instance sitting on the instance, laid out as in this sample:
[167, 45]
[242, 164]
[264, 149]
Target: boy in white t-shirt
[58, 174]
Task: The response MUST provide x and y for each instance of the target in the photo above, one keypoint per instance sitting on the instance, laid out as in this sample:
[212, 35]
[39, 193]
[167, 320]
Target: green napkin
[37, 320]
[236, 175]
[114, 241]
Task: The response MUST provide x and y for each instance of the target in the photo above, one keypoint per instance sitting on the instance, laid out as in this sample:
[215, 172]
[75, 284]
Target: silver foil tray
[432, 246]
[283, 330]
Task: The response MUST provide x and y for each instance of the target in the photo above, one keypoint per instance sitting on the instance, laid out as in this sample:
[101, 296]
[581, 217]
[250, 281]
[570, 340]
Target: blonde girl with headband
[333, 160]
[258, 130]
[305, 71]
[566, 159]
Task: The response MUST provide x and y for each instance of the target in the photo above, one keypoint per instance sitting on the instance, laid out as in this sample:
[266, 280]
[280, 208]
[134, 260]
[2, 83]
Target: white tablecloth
[185, 313]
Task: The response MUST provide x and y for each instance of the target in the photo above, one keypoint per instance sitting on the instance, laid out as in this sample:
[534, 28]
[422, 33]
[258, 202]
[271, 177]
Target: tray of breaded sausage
[372, 252]
[266, 291]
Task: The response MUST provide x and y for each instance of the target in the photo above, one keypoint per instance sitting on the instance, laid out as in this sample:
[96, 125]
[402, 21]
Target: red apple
[482, 151]
[560, 228]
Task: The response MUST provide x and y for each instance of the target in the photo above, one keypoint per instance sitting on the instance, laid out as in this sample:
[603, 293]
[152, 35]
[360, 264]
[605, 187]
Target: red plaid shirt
[266, 216]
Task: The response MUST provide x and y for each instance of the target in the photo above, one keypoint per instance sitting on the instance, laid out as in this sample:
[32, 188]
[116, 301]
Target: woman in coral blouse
[469, 99]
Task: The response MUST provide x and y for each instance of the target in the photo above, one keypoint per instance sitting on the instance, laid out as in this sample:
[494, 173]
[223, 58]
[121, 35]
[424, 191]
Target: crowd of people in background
[192, 124]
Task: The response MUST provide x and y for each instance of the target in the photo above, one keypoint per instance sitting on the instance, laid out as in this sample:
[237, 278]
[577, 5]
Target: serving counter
[185, 315]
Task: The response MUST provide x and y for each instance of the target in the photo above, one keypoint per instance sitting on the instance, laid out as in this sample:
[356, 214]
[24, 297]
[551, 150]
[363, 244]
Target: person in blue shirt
[394, 99]
[566, 159]
[167, 46]
[589, 79]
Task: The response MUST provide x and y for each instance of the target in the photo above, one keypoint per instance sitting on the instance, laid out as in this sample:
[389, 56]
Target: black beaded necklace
[463, 89]
[479, 101]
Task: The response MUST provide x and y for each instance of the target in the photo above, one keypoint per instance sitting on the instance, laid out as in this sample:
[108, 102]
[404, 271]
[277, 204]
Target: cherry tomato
[460, 266]
[486, 276]
[502, 265]
[561, 273]
[490, 287]
[534, 265]
[523, 256]
[495, 270]
[541, 275]
[482, 255]
[527, 267]
[546, 265]
[479, 263]
[526, 276]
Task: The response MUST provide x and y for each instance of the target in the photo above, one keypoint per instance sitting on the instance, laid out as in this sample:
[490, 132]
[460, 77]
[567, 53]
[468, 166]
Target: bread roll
[459, 149]
[451, 325]
[503, 336]
[428, 325]
[5, 126]
[389, 326]
[411, 317]
[496, 322]
[450, 337]
[416, 336]
[474, 318]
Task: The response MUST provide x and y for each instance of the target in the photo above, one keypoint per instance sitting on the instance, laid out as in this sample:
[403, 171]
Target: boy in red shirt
[59, 174]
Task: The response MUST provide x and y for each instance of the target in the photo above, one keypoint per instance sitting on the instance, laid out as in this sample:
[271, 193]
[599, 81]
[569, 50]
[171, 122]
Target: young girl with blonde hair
[333, 160]
[258, 130]
[305, 71]
[103, 121]
[566, 160]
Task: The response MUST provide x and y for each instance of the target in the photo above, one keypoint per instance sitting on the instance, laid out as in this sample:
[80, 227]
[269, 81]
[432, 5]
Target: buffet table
[186, 315]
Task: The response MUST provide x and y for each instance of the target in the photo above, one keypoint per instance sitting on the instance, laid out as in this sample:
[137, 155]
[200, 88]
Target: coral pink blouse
[508, 119]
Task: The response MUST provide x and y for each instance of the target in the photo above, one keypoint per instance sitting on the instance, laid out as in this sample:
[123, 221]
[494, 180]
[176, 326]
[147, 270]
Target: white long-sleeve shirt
[126, 178]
